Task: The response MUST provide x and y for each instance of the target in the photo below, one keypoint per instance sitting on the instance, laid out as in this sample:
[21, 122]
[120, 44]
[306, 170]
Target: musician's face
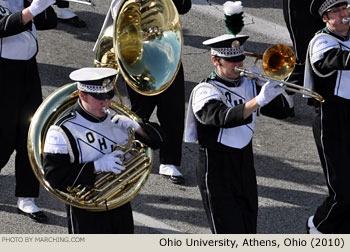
[334, 20]
[93, 105]
[226, 68]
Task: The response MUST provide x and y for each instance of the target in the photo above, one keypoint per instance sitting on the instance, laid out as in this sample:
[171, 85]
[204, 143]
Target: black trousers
[115, 221]
[170, 112]
[332, 136]
[227, 183]
[62, 4]
[20, 96]
[302, 27]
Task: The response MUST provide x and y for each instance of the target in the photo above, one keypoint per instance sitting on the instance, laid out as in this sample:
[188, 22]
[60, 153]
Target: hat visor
[103, 96]
[234, 59]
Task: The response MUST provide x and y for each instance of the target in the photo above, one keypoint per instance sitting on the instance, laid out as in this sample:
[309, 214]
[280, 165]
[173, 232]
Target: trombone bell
[279, 63]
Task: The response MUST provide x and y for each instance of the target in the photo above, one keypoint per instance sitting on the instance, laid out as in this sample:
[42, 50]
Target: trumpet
[278, 63]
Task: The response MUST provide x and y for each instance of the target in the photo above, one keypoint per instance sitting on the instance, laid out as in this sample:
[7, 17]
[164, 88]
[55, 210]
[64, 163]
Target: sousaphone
[145, 45]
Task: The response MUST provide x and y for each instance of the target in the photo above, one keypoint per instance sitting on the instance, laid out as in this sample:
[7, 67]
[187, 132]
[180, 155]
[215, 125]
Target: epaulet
[212, 87]
[56, 141]
[318, 45]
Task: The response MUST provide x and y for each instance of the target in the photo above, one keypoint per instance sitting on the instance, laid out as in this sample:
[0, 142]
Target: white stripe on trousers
[208, 198]
[327, 170]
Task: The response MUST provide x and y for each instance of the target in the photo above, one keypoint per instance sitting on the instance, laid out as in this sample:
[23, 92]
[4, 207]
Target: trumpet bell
[278, 61]
[148, 41]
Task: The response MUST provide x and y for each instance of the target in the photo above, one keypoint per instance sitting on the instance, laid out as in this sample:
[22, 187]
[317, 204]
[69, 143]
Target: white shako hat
[320, 7]
[228, 46]
[96, 81]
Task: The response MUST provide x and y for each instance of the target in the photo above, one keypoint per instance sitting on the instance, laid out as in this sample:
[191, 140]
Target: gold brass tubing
[52, 109]
[116, 184]
[119, 185]
[284, 84]
[117, 91]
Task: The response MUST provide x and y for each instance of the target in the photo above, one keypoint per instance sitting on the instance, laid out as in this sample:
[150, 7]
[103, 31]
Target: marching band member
[170, 113]
[327, 71]
[80, 145]
[221, 117]
[302, 26]
[19, 71]
[170, 108]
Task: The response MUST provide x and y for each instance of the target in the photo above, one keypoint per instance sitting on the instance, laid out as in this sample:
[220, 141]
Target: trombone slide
[283, 84]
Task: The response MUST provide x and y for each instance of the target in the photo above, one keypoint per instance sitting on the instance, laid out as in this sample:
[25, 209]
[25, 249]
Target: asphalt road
[290, 181]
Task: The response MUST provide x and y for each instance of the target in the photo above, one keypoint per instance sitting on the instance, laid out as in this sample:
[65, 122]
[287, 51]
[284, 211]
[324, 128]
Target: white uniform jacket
[17, 41]
[227, 127]
[334, 76]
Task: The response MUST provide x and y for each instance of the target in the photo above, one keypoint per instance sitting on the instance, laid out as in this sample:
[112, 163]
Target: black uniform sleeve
[156, 136]
[60, 173]
[216, 113]
[334, 59]
[12, 24]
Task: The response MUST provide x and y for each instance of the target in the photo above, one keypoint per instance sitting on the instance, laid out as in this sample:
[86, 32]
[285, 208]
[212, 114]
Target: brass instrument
[278, 63]
[147, 41]
[110, 190]
[104, 55]
[144, 35]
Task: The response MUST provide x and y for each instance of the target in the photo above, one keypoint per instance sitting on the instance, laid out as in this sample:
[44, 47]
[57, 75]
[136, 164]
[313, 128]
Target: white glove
[109, 163]
[125, 122]
[39, 6]
[268, 92]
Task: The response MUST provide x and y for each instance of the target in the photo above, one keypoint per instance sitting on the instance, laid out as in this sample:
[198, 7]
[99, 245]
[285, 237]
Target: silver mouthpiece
[106, 110]
[346, 20]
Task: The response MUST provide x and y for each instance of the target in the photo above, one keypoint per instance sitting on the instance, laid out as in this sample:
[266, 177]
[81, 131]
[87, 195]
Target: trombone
[278, 63]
